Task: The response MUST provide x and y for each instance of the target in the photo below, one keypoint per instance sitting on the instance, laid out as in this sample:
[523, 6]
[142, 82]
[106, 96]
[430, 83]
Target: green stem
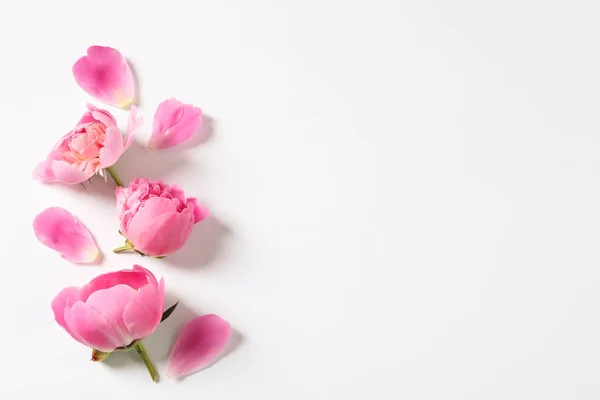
[139, 347]
[113, 174]
[125, 247]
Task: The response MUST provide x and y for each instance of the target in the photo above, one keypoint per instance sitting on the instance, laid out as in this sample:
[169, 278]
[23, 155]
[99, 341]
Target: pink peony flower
[114, 311]
[156, 219]
[95, 144]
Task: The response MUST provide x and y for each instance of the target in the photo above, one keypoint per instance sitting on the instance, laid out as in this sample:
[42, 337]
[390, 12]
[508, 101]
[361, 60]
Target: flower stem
[139, 347]
[125, 247]
[113, 174]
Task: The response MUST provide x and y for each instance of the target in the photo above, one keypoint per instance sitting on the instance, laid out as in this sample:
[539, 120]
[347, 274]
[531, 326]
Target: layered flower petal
[105, 75]
[134, 278]
[143, 313]
[65, 299]
[94, 329]
[113, 147]
[197, 345]
[174, 123]
[58, 229]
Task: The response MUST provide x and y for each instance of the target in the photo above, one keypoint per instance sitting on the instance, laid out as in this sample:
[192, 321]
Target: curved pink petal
[174, 123]
[111, 303]
[58, 229]
[201, 212]
[94, 329]
[134, 123]
[105, 75]
[143, 313]
[197, 345]
[67, 173]
[161, 236]
[135, 278]
[65, 299]
[43, 171]
[113, 147]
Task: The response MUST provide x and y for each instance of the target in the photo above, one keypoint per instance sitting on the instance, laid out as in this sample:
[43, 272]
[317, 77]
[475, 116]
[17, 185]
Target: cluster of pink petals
[94, 144]
[157, 218]
[116, 310]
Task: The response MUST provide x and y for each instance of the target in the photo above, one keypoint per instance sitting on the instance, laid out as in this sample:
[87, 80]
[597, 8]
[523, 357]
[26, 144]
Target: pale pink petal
[65, 299]
[58, 229]
[44, 172]
[92, 327]
[143, 313]
[105, 75]
[198, 345]
[201, 212]
[113, 147]
[174, 123]
[111, 303]
[66, 173]
[133, 125]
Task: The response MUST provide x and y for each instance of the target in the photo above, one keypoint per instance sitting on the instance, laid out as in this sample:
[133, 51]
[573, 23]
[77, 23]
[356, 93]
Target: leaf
[168, 312]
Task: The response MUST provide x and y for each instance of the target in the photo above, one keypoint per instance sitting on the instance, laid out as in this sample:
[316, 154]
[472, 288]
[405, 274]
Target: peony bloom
[93, 146]
[174, 123]
[156, 218]
[114, 311]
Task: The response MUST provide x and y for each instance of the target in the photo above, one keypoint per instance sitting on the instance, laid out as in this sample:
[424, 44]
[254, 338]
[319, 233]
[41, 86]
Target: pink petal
[44, 172]
[113, 147]
[197, 345]
[66, 173]
[105, 75]
[92, 327]
[201, 212]
[134, 278]
[143, 313]
[133, 125]
[174, 123]
[58, 229]
[111, 303]
[161, 236]
[65, 299]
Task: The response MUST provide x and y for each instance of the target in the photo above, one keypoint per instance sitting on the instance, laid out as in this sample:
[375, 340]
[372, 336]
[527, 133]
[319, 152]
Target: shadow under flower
[204, 246]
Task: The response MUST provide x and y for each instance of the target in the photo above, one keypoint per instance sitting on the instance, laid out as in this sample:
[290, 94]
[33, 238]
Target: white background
[405, 195]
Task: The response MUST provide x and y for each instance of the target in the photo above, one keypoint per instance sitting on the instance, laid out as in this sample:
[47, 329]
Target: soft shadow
[204, 134]
[204, 245]
[136, 83]
[139, 161]
[96, 186]
[121, 359]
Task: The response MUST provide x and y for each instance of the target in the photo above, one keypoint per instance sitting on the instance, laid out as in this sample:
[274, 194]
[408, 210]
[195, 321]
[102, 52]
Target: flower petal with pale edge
[197, 345]
[174, 123]
[105, 75]
[58, 229]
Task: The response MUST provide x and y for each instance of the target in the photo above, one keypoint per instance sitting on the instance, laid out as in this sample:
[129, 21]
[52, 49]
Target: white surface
[405, 195]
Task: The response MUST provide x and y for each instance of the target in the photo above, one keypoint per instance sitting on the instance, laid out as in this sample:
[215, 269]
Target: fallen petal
[105, 75]
[58, 229]
[197, 345]
[174, 123]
